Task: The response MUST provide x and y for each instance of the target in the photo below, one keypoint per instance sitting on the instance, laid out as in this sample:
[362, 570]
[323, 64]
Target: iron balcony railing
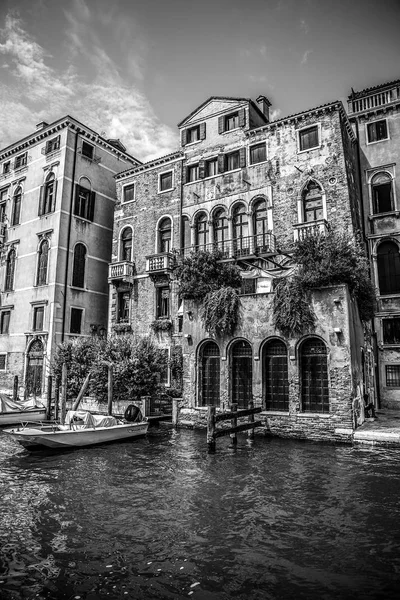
[122, 271]
[263, 243]
[159, 262]
[305, 230]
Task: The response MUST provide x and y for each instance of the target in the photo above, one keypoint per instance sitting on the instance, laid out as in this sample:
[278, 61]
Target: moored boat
[81, 429]
[19, 411]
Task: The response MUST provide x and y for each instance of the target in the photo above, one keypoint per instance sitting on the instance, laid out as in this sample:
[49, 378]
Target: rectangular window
[21, 161]
[193, 173]
[4, 321]
[2, 217]
[7, 167]
[3, 194]
[52, 145]
[382, 198]
[248, 286]
[38, 318]
[391, 331]
[87, 150]
[211, 167]
[76, 320]
[129, 193]
[231, 121]
[258, 153]
[163, 297]
[232, 161]
[308, 138]
[377, 131]
[193, 134]
[392, 375]
[123, 306]
[84, 203]
[3, 362]
[165, 181]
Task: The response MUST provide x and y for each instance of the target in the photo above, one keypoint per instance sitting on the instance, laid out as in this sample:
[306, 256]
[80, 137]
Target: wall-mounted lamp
[188, 337]
[292, 357]
[337, 300]
[338, 330]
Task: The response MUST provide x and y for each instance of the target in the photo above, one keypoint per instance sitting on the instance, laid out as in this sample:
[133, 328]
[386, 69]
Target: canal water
[162, 518]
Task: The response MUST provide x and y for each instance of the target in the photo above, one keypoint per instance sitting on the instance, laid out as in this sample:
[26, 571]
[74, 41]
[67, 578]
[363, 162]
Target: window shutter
[221, 126]
[76, 205]
[202, 170]
[202, 131]
[41, 200]
[53, 207]
[242, 117]
[242, 157]
[184, 175]
[221, 163]
[184, 137]
[91, 206]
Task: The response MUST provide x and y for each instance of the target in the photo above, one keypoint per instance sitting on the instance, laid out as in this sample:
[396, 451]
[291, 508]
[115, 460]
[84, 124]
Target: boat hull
[45, 437]
[32, 416]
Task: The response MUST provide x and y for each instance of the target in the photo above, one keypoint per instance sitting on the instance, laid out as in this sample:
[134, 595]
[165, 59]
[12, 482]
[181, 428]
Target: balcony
[248, 246]
[159, 263]
[121, 272]
[305, 230]
[383, 97]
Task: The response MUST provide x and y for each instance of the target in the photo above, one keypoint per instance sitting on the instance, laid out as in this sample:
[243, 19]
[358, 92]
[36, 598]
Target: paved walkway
[383, 431]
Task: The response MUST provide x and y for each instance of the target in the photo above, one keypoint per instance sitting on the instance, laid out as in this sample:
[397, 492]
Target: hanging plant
[122, 328]
[221, 311]
[161, 325]
[292, 308]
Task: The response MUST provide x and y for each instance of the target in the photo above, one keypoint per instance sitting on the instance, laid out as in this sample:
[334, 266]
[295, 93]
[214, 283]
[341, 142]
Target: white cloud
[304, 26]
[305, 56]
[275, 114]
[104, 100]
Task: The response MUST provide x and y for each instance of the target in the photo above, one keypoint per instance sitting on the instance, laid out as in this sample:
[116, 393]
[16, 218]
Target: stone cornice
[157, 162]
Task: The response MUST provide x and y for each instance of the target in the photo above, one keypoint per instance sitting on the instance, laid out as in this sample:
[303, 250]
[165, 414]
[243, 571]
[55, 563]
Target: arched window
[242, 373]
[126, 244]
[312, 202]
[16, 207]
[164, 235]
[48, 195]
[34, 369]
[221, 232]
[314, 376]
[382, 193]
[388, 268]
[260, 224]
[209, 375]
[10, 270]
[201, 231]
[240, 231]
[275, 371]
[78, 271]
[41, 278]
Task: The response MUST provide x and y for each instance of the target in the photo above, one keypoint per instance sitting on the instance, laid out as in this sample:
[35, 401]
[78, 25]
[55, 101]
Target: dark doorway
[34, 371]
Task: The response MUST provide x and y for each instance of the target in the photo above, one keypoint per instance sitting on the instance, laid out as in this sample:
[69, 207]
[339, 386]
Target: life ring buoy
[132, 414]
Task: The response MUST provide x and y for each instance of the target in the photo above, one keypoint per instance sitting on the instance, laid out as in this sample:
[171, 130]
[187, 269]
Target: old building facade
[57, 195]
[249, 188]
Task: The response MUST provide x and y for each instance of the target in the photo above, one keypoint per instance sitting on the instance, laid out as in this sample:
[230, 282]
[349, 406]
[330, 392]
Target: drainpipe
[69, 237]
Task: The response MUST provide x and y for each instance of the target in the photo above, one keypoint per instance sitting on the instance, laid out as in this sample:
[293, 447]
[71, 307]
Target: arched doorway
[314, 376]
[210, 375]
[34, 369]
[275, 375]
[242, 373]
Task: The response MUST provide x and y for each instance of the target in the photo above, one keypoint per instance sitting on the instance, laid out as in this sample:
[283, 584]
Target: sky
[133, 69]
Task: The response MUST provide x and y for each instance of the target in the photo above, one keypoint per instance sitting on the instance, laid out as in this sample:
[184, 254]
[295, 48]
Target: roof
[222, 98]
[367, 91]
[173, 156]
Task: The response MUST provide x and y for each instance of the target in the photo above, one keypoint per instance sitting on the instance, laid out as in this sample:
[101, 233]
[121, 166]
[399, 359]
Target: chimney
[41, 125]
[263, 105]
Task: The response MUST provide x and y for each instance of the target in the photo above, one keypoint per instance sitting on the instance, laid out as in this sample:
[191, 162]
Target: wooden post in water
[110, 389]
[250, 432]
[211, 428]
[81, 392]
[15, 388]
[49, 390]
[175, 412]
[56, 398]
[63, 393]
[234, 424]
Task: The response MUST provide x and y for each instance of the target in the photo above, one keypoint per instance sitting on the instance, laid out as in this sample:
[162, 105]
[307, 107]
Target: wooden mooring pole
[211, 428]
[63, 393]
[15, 388]
[234, 408]
[212, 419]
[49, 391]
[56, 398]
[110, 389]
[250, 432]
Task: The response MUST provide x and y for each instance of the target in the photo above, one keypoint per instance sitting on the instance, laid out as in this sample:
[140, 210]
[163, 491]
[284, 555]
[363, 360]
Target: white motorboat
[18, 411]
[81, 429]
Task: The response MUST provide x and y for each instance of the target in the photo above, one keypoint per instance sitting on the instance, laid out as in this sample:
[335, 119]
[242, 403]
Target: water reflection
[161, 518]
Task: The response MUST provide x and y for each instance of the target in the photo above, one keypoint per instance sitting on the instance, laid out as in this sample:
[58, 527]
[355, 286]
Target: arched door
[275, 373]
[242, 373]
[210, 375]
[34, 371]
[314, 376]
